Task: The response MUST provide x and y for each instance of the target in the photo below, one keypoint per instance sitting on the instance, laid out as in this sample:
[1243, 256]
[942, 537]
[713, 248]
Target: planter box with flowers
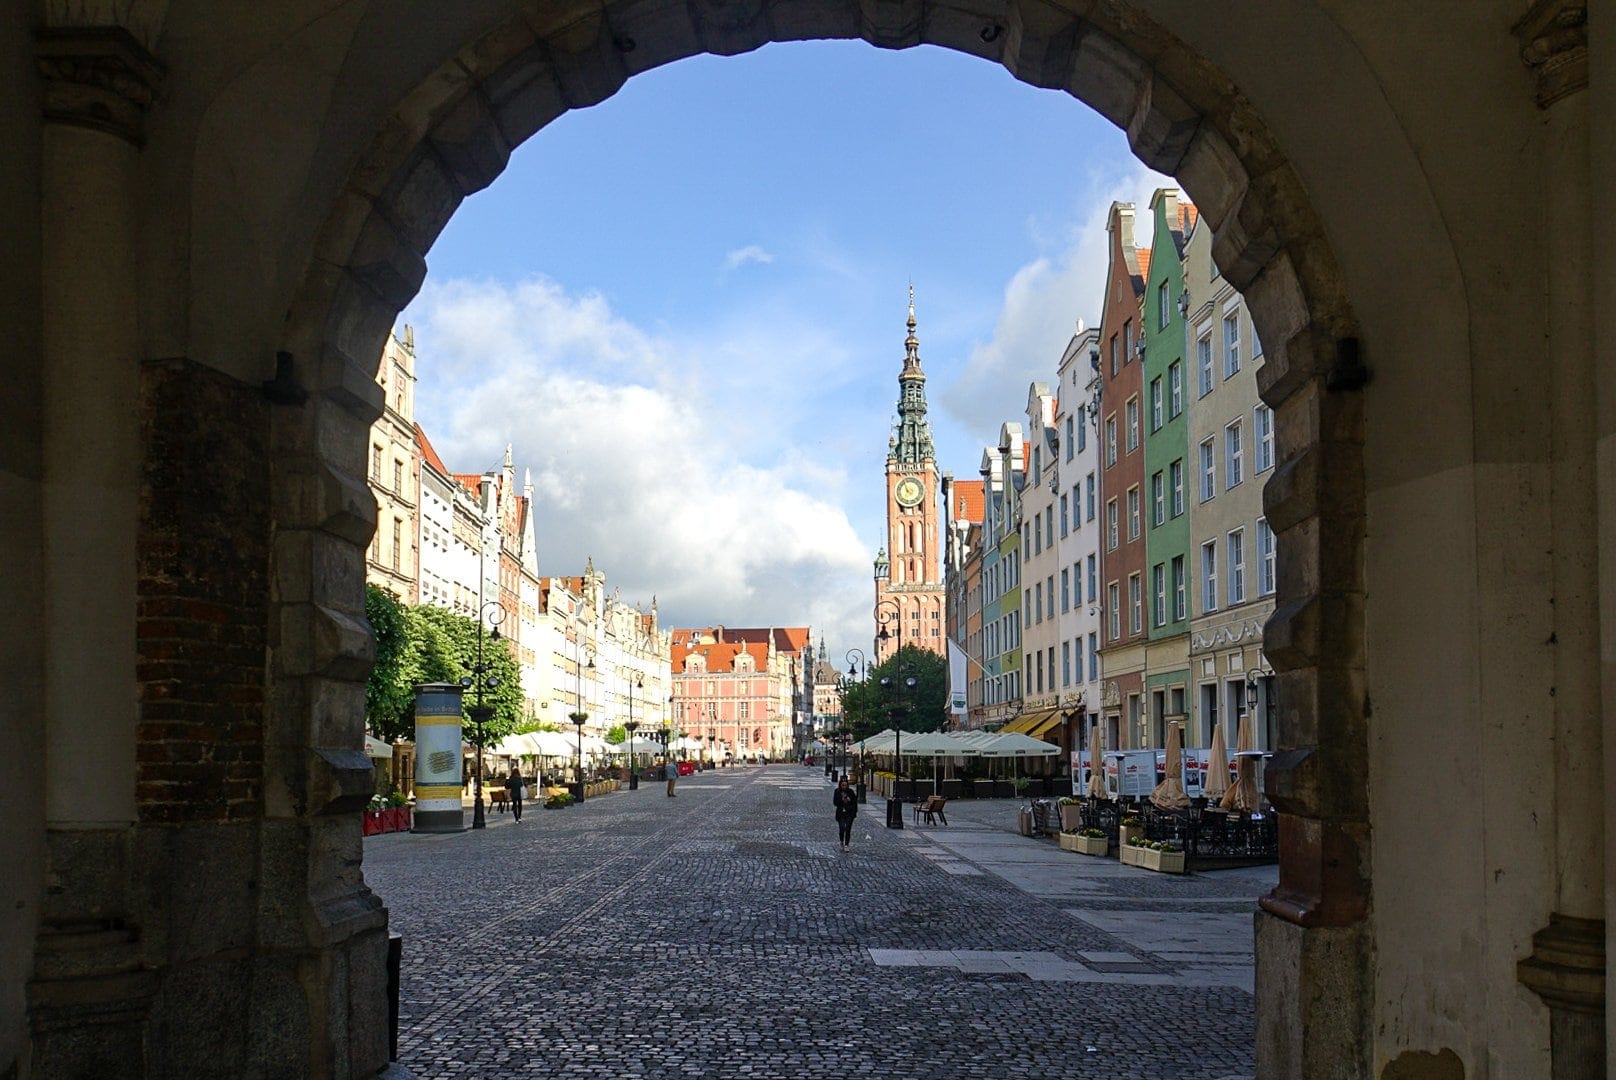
[385, 814]
[1087, 842]
[1130, 829]
[1164, 856]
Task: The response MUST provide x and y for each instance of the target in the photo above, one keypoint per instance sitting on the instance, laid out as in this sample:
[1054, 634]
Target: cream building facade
[1077, 420]
[394, 559]
[1233, 551]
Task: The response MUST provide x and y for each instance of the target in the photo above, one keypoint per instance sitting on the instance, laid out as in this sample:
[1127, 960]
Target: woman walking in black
[515, 788]
[845, 799]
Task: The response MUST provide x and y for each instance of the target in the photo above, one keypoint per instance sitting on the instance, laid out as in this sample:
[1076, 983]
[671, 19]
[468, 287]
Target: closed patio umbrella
[1242, 795]
[1096, 772]
[1170, 794]
[1217, 766]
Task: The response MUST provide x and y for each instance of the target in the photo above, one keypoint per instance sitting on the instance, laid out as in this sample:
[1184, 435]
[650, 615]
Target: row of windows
[1231, 353]
[1040, 604]
[1168, 600]
[1235, 562]
[1040, 666]
[1001, 577]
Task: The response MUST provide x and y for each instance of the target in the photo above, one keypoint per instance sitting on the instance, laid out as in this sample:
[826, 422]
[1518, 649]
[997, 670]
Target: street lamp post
[858, 665]
[895, 802]
[631, 727]
[480, 678]
[578, 718]
[883, 634]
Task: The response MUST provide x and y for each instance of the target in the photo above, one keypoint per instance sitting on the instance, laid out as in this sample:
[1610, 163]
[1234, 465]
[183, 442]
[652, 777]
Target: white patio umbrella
[1015, 744]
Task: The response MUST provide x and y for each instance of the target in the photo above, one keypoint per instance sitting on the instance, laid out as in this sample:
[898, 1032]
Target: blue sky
[685, 306]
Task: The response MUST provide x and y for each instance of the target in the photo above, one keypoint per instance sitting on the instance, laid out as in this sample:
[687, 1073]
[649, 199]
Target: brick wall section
[203, 603]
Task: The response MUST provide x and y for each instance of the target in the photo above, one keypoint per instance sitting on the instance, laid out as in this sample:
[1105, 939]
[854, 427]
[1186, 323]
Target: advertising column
[437, 759]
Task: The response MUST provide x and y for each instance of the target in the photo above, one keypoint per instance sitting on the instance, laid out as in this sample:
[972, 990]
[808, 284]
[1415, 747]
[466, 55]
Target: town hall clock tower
[908, 571]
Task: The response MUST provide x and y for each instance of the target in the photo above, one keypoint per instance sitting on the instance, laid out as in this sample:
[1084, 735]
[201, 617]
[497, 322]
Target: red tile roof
[790, 639]
[968, 500]
[720, 657]
[424, 445]
[1144, 262]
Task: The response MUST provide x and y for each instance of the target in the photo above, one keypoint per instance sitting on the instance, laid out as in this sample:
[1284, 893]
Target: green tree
[389, 694]
[885, 699]
[448, 650]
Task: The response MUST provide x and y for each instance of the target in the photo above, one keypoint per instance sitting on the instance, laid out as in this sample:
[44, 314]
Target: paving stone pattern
[724, 934]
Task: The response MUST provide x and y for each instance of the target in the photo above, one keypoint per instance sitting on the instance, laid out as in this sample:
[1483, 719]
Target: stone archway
[452, 136]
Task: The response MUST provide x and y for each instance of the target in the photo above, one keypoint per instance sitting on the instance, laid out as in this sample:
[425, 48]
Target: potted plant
[558, 799]
[1130, 829]
[1022, 786]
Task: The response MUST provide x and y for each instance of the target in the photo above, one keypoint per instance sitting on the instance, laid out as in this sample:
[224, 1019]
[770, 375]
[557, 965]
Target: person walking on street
[670, 770]
[845, 799]
[514, 787]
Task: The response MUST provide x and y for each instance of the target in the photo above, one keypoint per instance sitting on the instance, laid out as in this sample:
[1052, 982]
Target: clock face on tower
[908, 492]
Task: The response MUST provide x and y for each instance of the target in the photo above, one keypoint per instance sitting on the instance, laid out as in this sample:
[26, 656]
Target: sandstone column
[90, 990]
[1566, 967]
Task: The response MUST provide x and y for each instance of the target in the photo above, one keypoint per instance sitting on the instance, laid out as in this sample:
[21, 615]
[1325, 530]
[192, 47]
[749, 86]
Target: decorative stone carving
[1554, 44]
[98, 77]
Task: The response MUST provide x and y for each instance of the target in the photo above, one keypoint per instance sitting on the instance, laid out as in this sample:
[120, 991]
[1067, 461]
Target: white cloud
[645, 455]
[751, 253]
[1042, 303]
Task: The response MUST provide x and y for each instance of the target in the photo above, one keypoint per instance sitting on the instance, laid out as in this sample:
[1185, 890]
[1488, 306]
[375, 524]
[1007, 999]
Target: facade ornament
[98, 77]
[1554, 44]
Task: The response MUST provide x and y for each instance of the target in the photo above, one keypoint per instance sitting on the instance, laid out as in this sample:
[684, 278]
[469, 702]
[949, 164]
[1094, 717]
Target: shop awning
[1054, 720]
[1029, 723]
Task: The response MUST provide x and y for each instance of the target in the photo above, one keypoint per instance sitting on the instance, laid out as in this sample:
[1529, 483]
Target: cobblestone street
[723, 933]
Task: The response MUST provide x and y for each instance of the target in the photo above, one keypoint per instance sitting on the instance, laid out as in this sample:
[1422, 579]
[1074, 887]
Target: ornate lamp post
[578, 718]
[907, 685]
[480, 678]
[631, 727]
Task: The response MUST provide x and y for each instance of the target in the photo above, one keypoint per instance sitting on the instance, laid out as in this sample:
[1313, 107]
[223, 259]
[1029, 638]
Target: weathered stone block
[1162, 126]
[343, 644]
[1108, 77]
[351, 385]
[386, 262]
[891, 24]
[425, 196]
[588, 66]
[1245, 243]
[1040, 43]
[1312, 1000]
[729, 27]
[470, 144]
